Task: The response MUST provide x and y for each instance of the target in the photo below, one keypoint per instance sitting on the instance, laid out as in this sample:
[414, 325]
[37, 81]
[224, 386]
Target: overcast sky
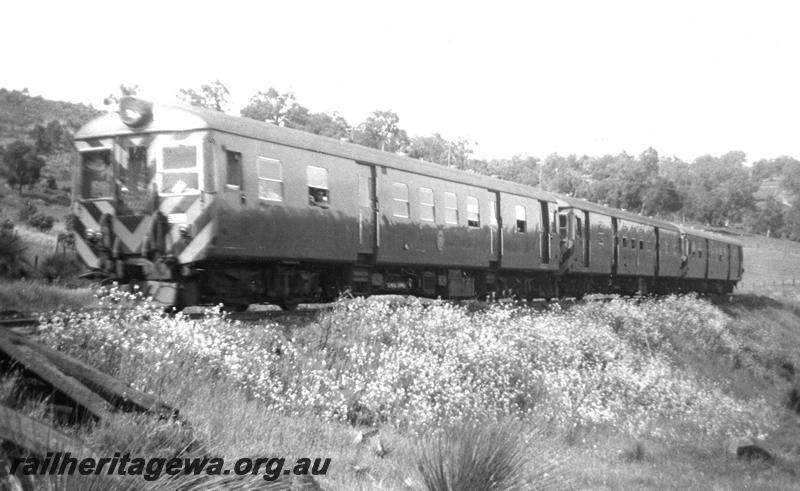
[585, 77]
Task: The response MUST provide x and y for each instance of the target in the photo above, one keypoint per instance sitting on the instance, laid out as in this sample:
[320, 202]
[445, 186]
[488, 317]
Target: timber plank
[112, 389]
[36, 436]
[41, 366]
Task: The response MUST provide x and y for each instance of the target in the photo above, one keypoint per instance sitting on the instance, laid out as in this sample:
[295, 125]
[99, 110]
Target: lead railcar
[198, 206]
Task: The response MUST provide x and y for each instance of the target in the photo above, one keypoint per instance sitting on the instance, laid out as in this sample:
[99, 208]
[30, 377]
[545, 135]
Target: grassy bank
[623, 394]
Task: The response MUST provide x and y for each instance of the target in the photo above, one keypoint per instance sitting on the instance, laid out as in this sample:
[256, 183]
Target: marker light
[135, 112]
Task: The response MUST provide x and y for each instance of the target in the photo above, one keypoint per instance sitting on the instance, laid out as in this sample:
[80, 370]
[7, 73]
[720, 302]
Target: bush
[12, 262]
[58, 267]
[27, 211]
[41, 221]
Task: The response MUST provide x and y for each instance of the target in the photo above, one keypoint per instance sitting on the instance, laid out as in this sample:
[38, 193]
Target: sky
[687, 78]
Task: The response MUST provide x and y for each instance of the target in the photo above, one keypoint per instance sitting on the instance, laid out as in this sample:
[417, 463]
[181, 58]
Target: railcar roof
[614, 212]
[709, 235]
[176, 117]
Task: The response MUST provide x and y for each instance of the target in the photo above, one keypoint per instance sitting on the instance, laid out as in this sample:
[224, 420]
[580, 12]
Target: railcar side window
[234, 169]
[641, 245]
[318, 193]
[427, 210]
[96, 174]
[450, 208]
[601, 238]
[522, 222]
[179, 170]
[578, 228]
[624, 242]
[270, 179]
[473, 212]
[400, 194]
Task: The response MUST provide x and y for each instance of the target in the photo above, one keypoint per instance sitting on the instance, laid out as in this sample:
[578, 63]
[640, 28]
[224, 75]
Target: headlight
[135, 112]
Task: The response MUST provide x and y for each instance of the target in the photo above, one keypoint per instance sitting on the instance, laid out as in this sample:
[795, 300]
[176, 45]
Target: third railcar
[201, 207]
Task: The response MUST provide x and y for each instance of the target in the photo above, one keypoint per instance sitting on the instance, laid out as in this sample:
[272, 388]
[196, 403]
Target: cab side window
[318, 192]
[522, 221]
[234, 169]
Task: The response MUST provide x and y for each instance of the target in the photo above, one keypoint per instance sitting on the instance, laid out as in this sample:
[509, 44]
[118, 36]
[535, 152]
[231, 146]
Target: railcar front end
[143, 198]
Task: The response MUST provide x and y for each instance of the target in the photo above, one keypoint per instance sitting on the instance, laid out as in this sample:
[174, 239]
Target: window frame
[406, 205]
[260, 178]
[523, 229]
[238, 159]
[448, 209]
[326, 191]
[472, 200]
[161, 171]
[424, 205]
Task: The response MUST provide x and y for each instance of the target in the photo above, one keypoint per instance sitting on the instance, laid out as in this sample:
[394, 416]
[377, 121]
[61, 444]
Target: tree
[211, 96]
[767, 219]
[53, 137]
[721, 190]
[436, 149]
[381, 130]
[125, 90]
[270, 106]
[21, 165]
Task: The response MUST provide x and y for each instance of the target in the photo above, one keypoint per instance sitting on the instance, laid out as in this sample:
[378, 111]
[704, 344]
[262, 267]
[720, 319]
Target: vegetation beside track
[620, 394]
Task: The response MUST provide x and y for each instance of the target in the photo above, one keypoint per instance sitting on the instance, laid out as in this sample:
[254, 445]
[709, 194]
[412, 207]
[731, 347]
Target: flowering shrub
[420, 366]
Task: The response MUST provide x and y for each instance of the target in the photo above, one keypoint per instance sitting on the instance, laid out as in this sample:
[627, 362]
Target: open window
[473, 212]
[563, 226]
[522, 221]
[270, 179]
[318, 192]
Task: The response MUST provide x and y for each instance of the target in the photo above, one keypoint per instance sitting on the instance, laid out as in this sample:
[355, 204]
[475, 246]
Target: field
[624, 394]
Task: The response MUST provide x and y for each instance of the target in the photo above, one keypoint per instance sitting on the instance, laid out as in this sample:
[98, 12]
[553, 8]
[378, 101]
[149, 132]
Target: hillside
[20, 112]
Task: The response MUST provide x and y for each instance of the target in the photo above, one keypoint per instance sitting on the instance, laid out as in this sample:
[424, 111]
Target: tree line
[711, 190]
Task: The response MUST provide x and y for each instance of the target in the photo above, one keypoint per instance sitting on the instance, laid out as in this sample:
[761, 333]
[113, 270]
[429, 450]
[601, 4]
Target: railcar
[196, 206]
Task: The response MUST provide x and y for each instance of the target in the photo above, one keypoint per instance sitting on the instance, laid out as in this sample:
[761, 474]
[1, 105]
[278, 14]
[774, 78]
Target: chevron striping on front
[132, 240]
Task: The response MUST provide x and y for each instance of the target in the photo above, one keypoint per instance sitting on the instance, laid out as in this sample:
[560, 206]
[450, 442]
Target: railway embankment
[626, 393]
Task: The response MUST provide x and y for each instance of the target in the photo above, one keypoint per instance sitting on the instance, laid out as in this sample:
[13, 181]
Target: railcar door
[495, 237]
[544, 234]
[367, 209]
[234, 192]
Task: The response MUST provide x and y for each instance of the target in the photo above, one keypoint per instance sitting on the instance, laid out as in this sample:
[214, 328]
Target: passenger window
[641, 245]
[633, 243]
[427, 211]
[234, 169]
[578, 228]
[493, 213]
[473, 212]
[624, 242]
[318, 193]
[522, 222]
[400, 194]
[450, 208]
[270, 179]
[601, 238]
[562, 226]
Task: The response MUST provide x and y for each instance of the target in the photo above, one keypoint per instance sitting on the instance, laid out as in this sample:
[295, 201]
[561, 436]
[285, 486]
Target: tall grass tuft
[491, 457]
